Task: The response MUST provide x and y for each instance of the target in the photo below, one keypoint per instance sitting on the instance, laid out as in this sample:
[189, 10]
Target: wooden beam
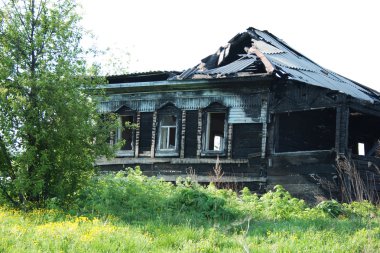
[229, 141]
[207, 179]
[264, 115]
[137, 134]
[199, 134]
[183, 133]
[154, 128]
[148, 160]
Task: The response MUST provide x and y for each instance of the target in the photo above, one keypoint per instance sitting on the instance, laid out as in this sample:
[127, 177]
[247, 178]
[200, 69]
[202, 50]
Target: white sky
[342, 36]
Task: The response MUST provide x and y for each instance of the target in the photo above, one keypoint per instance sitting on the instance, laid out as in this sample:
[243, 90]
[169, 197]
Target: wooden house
[269, 114]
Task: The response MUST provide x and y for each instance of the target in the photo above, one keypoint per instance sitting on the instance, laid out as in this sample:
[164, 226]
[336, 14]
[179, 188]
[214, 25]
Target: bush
[196, 200]
[277, 204]
[127, 194]
[362, 209]
[133, 197]
[332, 208]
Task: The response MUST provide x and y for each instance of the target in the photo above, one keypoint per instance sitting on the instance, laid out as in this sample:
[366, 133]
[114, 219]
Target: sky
[148, 35]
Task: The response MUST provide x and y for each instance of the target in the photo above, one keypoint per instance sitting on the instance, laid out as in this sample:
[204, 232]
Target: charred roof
[152, 76]
[256, 52]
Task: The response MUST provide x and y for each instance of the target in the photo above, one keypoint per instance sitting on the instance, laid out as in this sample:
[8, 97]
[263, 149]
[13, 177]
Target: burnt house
[271, 116]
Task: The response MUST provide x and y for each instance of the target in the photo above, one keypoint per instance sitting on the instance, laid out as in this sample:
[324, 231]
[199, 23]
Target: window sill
[211, 153]
[125, 153]
[166, 153]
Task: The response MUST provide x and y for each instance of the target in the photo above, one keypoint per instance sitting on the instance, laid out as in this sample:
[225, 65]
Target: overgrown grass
[133, 213]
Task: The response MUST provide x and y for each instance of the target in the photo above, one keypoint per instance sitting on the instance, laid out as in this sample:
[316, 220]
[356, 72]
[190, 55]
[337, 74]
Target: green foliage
[127, 195]
[132, 196]
[332, 208]
[128, 212]
[277, 204]
[362, 209]
[50, 132]
[197, 201]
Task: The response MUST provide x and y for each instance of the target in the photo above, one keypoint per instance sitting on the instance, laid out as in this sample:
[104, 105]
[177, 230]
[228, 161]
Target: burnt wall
[246, 140]
[146, 122]
[191, 134]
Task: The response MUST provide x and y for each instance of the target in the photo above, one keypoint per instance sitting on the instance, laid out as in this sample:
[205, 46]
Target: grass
[132, 213]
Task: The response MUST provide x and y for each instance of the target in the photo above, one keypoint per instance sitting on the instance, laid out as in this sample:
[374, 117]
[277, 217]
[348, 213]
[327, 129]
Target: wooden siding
[191, 134]
[146, 122]
[247, 140]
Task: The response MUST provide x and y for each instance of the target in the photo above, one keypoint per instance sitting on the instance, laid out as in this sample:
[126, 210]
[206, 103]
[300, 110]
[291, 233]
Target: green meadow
[128, 212]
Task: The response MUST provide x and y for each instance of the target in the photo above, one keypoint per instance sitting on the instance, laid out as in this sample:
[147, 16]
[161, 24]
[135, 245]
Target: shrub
[196, 200]
[332, 208]
[277, 204]
[127, 194]
[361, 209]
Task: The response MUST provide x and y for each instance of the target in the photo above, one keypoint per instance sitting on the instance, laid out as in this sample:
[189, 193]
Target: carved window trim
[165, 132]
[123, 113]
[212, 115]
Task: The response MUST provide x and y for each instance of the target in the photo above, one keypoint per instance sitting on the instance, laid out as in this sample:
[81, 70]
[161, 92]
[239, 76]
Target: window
[214, 133]
[168, 132]
[363, 133]
[125, 133]
[306, 130]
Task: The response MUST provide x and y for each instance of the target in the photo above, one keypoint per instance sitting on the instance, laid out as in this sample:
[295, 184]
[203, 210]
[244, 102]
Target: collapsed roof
[256, 52]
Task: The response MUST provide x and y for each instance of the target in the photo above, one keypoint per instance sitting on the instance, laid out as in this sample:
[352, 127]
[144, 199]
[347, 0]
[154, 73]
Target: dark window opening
[363, 133]
[306, 130]
[215, 131]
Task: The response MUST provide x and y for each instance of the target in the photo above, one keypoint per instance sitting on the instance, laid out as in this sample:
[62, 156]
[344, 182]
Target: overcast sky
[342, 36]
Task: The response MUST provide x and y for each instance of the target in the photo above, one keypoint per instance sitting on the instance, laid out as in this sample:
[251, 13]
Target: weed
[129, 212]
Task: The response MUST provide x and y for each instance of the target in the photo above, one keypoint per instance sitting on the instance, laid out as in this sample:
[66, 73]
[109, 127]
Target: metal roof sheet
[266, 48]
[233, 67]
[295, 65]
[312, 73]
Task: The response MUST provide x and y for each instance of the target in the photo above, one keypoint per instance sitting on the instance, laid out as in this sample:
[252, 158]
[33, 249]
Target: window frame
[168, 110]
[206, 123]
[125, 112]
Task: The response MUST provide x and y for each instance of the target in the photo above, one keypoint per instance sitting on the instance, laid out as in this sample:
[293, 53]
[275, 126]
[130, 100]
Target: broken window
[168, 122]
[306, 130]
[214, 129]
[363, 133]
[124, 134]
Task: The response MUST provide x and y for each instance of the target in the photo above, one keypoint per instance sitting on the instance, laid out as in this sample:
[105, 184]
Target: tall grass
[129, 212]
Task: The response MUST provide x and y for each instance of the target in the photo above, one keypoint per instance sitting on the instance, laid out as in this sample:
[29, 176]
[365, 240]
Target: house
[268, 114]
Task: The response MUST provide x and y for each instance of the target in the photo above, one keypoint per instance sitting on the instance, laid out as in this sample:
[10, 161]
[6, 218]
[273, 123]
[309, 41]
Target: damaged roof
[255, 53]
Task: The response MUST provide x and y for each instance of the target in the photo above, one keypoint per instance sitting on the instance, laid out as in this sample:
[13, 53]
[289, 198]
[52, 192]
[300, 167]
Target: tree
[50, 129]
